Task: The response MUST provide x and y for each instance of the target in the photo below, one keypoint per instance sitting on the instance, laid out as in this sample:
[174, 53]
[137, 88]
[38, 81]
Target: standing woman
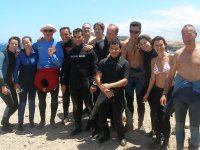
[24, 74]
[148, 54]
[160, 69]
[8, 93]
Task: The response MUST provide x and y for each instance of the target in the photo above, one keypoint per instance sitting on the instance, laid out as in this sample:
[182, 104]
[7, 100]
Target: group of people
[102, 73]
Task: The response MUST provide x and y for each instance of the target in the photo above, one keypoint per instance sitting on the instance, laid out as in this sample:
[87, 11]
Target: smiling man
[50, 54]
[111, 78]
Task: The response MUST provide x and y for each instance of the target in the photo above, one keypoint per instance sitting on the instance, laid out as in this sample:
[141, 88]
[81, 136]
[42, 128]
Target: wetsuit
[53, 62]
[80, 69]
[186, 96]
[67, 46]
[24, 74]
[113, 70]
[7, 64]
[148, 56]
[160, 120]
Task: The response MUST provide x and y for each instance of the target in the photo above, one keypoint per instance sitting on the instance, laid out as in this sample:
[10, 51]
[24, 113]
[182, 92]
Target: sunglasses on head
[46, 30]
[135, 32]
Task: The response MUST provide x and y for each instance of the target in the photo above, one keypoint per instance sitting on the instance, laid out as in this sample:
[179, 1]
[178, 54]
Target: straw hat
[48, 27]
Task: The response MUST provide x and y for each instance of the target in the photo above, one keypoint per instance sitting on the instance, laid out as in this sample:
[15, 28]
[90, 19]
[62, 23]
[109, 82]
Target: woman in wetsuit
[148, 54]
[160, 67]
[8, 93]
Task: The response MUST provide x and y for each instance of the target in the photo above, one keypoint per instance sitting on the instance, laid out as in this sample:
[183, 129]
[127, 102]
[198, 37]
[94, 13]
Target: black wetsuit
[80, 69]
[113, 70]
[67, 46]
[148, 56]
[9, 79]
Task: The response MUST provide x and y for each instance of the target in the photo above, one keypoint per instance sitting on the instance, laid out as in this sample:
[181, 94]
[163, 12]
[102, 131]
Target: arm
[65, 73]
[57, 56]
[93, 66]
[2, 69]
[107, 92]
[151, 82]
[16, 70]
[123, 49]
[169, 80]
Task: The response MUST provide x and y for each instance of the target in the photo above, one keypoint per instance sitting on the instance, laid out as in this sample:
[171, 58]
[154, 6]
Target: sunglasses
[48, 30]
[135, 32]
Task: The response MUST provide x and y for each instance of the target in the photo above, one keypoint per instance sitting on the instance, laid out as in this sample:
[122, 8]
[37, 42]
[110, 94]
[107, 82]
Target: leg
[54, 104]
[141, 105]
[194, 114]
[117, 110]
[66, 101]
[151, 102]
[77, 109]
[31, 98]
[42, 107]
[103, 111]
[22, 105]
[87, 97]
[130, 94]
[180, 115]
[9, 106]
[15, 99]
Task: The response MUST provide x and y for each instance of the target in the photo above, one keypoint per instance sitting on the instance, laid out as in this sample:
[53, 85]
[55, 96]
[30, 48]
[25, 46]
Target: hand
[17, 86]
[163, 100]
[87, 48]
[63, 88]
[107, 86]
[93, 89]
[51, 51]
[4, 90]
[145, 98]
[109, 94]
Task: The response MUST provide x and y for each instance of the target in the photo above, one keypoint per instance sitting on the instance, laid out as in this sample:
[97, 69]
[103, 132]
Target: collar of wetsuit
[79, 46]
[116, 58]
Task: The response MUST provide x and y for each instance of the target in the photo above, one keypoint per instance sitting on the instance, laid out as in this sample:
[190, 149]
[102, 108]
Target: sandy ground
[59, 139]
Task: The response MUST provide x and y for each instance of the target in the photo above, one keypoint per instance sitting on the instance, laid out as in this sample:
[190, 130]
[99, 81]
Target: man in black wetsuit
[67, 44]
[111, 78]
[80, 69]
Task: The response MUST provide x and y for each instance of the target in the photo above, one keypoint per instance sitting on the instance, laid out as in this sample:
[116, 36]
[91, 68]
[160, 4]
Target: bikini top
[165, 69]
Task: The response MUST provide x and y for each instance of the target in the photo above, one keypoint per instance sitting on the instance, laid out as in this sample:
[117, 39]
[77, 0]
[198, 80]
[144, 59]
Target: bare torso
[188, 64]
[161, 77]
[132, 53]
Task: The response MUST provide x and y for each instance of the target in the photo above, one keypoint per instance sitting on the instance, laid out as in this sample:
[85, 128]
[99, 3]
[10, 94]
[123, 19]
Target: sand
[59, 139]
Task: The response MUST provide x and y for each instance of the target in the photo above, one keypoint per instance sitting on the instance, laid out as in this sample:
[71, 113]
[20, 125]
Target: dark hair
[28, 37]
[116, 41]
[14, 38]
[102, 26]
[77, 30]
[158, 38]
[64, 28]
[116, 28]
[136, 24]
[144, 36]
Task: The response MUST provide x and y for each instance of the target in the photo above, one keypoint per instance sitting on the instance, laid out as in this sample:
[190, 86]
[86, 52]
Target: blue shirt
[45, 61]
[25, 68]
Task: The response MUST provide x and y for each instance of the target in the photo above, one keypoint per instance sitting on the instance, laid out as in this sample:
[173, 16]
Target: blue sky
[158, 17]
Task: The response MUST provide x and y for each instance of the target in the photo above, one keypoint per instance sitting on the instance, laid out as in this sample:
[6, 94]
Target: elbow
[125, 82]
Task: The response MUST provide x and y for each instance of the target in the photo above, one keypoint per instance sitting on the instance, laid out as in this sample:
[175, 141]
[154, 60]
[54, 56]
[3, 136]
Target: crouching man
[111, 78]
